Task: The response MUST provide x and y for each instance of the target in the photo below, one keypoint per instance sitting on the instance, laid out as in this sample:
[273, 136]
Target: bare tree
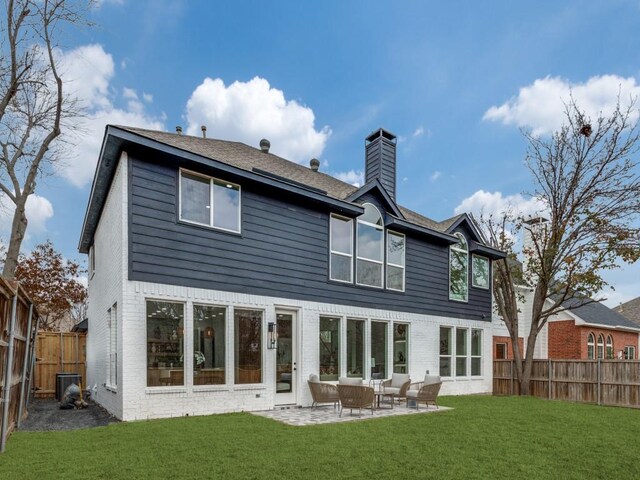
[587, 175]
[33, 103]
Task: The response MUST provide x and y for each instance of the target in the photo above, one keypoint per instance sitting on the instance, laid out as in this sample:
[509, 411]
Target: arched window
[459, 269]
[600, 346]
[609, 346]
[370, 247]
[591, 346]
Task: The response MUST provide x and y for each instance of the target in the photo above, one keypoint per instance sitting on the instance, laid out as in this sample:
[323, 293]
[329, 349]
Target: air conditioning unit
[63, 380]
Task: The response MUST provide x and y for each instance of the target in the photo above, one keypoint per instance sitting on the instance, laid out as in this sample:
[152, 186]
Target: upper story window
[395, 261]
[600, 346]
[209, 201]
[370, 248]
[341, 246]
[459, 270]
[609, 346]
[591, 342]
[480, 271]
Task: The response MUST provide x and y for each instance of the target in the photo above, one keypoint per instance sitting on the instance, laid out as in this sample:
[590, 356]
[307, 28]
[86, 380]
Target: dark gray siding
[380, 158]
[282, 251]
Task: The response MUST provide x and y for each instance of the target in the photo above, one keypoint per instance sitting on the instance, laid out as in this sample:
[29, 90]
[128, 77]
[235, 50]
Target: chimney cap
[381, 132]
[179, 130]
[314, 164]
[204, 131]
[265, 145]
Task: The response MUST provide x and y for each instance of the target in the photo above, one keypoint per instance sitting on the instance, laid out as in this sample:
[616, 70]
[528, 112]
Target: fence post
[599, 381]
[27, 346]
[549, 371]
[33, 361]
[6, 397]
[511, 372]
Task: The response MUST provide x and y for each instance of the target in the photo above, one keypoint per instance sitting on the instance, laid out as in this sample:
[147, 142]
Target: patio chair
[322, 392]
[398, 385]
[356, 396]
[426, 391]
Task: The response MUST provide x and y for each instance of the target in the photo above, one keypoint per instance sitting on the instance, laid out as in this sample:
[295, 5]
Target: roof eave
[404, 225]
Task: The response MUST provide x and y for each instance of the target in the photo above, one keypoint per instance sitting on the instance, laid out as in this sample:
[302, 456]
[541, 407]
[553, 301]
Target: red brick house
[630, 310]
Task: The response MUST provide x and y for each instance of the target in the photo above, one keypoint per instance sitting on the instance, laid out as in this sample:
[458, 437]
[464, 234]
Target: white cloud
[354, 177]
[250, 111]
[418, 132]
[38, 210]
[494, 203]
[435, 176]
[540, 106]
[89, 71]
[147, 97]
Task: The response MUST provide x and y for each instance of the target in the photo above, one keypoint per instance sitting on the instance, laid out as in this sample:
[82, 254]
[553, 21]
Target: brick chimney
[380, 159]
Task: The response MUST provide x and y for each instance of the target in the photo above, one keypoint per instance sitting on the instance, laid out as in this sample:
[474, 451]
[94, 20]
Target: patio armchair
[426, 391]
[356, 396]
[322, 392]
[398, 384]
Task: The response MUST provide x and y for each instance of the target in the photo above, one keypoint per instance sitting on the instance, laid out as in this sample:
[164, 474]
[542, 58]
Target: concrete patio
[327, 414]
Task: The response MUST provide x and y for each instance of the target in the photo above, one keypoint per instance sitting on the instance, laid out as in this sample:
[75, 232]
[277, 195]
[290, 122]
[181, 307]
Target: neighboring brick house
[630, 310]
[590, 331]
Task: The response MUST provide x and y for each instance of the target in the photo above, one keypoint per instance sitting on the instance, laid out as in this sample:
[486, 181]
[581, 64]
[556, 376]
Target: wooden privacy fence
[58, 353]
[603, 382]
[18, 329]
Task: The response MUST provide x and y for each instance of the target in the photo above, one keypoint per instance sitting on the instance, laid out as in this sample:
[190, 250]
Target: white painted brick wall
[105, 289]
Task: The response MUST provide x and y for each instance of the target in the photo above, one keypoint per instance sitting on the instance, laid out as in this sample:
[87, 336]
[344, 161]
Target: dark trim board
[282, 252]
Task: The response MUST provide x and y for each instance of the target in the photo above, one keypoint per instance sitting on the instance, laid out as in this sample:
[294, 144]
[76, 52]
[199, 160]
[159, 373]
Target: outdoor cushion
[399, 379]
[314, 378]
[412, 393]
[431, 379]
[394, 390]
[349, 381]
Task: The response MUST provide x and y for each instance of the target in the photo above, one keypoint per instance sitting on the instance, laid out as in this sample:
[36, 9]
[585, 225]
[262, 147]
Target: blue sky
[331, 72]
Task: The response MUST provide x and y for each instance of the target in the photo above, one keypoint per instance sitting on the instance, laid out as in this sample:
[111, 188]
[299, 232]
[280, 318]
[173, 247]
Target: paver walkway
[326, 414]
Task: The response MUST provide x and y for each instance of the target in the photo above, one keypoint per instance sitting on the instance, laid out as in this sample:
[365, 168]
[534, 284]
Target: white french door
[286, 357]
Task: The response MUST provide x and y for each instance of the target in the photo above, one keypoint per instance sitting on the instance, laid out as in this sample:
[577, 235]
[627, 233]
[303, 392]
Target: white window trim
[211, 209]
[473, 284]
[388, 368]
[472, 356]
[451, 355]
[466, 251]
[404, 260]
[601, 344]
[393, 353]
[214, 386]
[630, 348]
[466, 356]
[607, 345]
[382, 248]
[112, 376]
[331, 251]
[591, 342]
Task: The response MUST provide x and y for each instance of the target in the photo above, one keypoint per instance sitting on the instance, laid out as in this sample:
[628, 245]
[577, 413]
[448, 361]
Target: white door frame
[289, 398]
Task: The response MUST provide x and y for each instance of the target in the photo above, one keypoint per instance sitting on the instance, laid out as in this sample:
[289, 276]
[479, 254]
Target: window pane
[355, 348]
[371, 215]
[248, 346]
[370, 240]
[476, 366]
[226, 206]
[341, 235]
[461, 366]
[369, 273]
[209, 345]
[329, 348]
[445, 341]
[445, 366]
[480, 272]
[400, 348]
[341, 267]
[476, 342]
[165, 343]
[461, 341]
[459, 276]
[395, 278]
[378, 350]
[395, 249]
[195, 196]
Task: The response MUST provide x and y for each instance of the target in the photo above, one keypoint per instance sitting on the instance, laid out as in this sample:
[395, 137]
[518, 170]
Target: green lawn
[484, 437]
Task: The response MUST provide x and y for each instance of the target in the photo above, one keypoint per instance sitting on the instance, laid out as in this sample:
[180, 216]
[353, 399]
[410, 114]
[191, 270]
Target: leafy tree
[52, 283]
[33, 103]
[587, 176]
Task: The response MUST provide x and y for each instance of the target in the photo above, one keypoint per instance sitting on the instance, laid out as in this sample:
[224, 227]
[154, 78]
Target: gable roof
[630, 310]
[254, 161]
[598, 314]
[375, 186]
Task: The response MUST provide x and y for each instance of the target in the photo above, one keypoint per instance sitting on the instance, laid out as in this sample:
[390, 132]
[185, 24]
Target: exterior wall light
[272, 339]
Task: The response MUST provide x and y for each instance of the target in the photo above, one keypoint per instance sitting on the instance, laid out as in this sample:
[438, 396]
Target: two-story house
[222, 276]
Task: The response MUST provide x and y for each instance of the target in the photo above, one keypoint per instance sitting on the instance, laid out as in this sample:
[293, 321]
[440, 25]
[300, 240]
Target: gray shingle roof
[598, 314]
[246, 157]
[630, 310]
